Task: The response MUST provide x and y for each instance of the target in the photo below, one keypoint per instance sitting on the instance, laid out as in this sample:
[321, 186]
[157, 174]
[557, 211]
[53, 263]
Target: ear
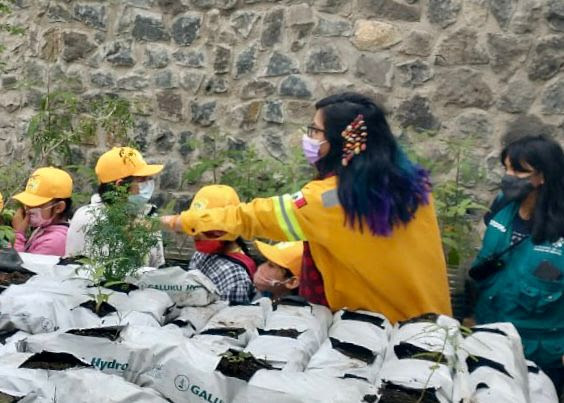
[60, 207]
[293, 283]
[118, 182]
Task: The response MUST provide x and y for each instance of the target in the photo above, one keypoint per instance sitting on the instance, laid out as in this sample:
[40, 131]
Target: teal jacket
[516, 294]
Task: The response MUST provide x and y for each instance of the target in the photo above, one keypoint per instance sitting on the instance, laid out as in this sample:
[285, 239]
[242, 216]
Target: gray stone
[234, 144]
[187, 143]
[156, 57]
[216, 85]
[142, 105]
[165, 79]
[245, 116]
[299, 14]
[243, 22]
[389, 9]
[257, 89]
[190, 58]
[186, 29]
[226, 4]
[281, 65]
[119, 53]
[203, 4]
[58, 13]
[461, 48]
[149, 27]
[170, 104]
[93, 15]
[463, 87]
[76, 46]
[9, 82]
[375, 70]
[273, 112]
[476, 125]
[299, 112]
[526, 125]
[295, 86]
[141, 3]
[222, 59]
[203, 114]
[164, 141]
[518, 96]
[132, 82]
[34, 73]
[547, 58]
[333, 27]
[191, 81]
[506, 50]
[102, 79]
[555, 15]
[414, 73]
[272, 25]
[502, 10]
[443, 12]
[332, 6]
[418, 43]
[245, 63]
[169, 179]
[325, 59]
[375, 35]
[274, 144]
[416, 113]
[527, 17]
[173, 7]
[553, 99]
[475, 13]
[300, 36]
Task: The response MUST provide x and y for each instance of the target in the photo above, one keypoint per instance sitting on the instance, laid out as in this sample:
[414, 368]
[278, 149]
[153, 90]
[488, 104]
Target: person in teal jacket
[519, 271]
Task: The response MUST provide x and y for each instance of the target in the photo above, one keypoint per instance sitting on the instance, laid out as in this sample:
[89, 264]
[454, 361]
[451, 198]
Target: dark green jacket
[516, 294]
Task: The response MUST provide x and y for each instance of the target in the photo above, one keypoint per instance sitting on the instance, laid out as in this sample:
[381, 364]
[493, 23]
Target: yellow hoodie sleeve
[273, 218]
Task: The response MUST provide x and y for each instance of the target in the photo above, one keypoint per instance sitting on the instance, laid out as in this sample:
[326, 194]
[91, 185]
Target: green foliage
[120, 237]
[64, 121]
[247, 171]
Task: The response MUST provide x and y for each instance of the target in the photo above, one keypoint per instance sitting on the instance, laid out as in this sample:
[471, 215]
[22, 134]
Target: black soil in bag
[361, 317]
[110, 333]
[290, 333]
[353, 351]
[426, 317]
[487, 330]
[406, 350]
[105, 308]
[6, 334]
[53, 361]
[14, 277]
[233, 332]
[122, 287]
[391, 393]
[475, 362]
[241, 365]
[370, 399]
[6, 398]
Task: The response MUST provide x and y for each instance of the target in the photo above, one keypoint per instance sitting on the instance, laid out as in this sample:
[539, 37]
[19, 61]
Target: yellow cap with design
[122, 162]
[213, 196]
[44, 185]
[284, 254]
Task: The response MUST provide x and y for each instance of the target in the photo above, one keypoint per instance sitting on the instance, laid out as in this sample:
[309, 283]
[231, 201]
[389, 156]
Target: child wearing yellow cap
[46, 208]
[121, 166]
[280, 274]
[225, 262]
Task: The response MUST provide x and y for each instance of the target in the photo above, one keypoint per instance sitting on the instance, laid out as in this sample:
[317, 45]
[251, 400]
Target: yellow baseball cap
[1, 202]
[285, 254]
[213, 196]
[121, 162]
[44, 185]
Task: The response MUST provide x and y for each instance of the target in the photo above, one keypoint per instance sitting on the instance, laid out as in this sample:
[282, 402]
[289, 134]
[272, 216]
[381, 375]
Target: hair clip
[355, 139]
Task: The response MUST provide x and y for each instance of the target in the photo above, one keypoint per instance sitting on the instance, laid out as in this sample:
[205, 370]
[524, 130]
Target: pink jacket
[50, 240]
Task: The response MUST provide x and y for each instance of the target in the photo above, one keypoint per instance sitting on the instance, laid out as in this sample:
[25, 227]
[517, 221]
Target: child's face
[271, 277]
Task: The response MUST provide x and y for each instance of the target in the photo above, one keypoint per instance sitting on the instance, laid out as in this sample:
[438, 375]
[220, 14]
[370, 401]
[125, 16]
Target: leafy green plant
[247, 171]
[120, 237]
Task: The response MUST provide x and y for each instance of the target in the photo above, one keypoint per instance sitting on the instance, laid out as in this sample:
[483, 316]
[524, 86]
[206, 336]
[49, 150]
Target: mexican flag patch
[299, 199]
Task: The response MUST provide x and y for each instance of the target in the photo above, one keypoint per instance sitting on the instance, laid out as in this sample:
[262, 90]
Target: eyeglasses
[311, 130]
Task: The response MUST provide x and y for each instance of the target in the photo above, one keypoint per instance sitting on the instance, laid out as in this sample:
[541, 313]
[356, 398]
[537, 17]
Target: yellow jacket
[401, 276]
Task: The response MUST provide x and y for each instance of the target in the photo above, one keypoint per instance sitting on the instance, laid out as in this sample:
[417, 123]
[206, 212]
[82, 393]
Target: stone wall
[253, 68]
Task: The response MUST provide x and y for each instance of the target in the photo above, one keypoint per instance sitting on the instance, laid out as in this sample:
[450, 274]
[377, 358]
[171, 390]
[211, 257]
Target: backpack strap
[242, 260]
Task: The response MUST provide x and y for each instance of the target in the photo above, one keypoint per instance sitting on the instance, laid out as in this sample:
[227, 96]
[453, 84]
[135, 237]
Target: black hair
[105, 189]
[545, 156]
[380, 187]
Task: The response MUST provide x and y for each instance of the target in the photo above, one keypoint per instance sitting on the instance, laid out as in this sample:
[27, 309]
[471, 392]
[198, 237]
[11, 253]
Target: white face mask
[146, 190]
[262, 281]
[36, 219]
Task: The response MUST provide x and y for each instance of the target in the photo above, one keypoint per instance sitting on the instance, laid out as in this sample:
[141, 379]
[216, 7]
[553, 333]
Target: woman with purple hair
[371, 235]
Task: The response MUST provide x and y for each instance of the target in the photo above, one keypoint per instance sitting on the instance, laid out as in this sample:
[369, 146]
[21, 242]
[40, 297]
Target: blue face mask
[146, 190]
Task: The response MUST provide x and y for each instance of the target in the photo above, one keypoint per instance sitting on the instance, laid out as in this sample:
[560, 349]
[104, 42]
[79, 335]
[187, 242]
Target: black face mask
[515, 189]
